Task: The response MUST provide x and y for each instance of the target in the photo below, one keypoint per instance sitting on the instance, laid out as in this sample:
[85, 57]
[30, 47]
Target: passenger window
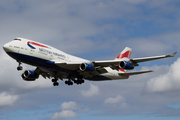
[16, 47]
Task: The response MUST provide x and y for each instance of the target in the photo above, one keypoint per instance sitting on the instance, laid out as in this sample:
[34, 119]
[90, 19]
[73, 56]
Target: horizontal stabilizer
[135, 73]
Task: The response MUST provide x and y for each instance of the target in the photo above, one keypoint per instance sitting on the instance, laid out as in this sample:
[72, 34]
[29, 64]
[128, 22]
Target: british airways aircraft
[55, 64]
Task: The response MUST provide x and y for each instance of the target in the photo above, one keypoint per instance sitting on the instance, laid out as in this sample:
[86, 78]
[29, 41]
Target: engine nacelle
[29, 75]
[126, 65]
[86, 67]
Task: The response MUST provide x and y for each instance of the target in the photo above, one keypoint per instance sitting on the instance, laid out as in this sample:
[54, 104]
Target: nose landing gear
[19, 67]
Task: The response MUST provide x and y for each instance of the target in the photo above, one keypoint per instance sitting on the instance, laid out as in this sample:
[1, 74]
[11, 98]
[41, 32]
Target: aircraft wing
[134, 61]
[110, 63]
[137, 60]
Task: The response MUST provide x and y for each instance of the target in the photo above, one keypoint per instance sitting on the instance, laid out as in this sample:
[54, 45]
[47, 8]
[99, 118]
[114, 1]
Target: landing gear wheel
[68, 82]
[19, 68]
[53, 80]
[55, 83]
[79, 80]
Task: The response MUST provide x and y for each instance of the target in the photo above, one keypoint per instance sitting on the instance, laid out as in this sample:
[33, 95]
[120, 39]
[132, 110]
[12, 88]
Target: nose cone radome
[5, 47]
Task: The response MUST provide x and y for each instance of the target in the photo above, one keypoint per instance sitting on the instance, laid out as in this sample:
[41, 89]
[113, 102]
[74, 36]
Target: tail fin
[126, 53]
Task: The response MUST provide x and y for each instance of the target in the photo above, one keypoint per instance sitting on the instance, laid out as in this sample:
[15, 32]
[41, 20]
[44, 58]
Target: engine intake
[29, 75]
[86, 67]
[126, 65]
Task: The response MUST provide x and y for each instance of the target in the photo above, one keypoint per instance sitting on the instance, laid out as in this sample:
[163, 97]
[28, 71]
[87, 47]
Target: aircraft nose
[6, 47]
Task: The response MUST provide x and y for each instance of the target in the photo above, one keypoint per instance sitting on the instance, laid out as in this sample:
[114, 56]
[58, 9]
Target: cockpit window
[17, 39]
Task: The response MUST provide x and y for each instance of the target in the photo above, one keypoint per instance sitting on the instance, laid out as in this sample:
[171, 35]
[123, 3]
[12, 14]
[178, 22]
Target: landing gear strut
[55, 83]
[19, 67]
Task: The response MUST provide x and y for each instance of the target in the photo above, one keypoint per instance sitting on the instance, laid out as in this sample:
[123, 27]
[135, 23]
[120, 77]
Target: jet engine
[126, 65]
[29, 75]
[86, 67]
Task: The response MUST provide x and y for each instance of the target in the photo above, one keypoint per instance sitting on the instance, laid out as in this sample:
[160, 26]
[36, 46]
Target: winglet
[172, 55]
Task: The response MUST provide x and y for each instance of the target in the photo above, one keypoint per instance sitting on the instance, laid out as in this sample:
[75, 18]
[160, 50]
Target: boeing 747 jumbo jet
[55, 64]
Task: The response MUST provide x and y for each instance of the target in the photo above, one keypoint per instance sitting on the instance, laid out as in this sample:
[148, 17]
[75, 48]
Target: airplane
[54, 64]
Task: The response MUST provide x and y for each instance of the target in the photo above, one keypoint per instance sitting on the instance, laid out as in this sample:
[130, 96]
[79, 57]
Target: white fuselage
[38, 54]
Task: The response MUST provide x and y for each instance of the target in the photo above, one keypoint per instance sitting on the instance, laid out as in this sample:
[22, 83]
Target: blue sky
[95, 30]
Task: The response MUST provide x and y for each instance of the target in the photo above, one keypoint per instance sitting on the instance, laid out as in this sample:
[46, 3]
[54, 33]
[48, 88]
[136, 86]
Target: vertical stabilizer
[126, 53]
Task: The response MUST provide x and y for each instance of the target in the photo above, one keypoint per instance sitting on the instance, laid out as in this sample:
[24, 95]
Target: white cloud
[117, 100]
[68, 109]
[166, 82]
[69, 106]
[64, 114]
[6, 99]
[93, 90]
[85, 110]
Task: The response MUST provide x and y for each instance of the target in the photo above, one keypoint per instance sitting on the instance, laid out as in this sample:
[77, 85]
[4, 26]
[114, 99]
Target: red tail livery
[126, 53]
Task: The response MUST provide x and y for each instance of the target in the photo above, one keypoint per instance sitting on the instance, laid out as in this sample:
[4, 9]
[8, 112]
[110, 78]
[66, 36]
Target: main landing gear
[78, 81]
[55, 83]
[19, 67]
[69, 81]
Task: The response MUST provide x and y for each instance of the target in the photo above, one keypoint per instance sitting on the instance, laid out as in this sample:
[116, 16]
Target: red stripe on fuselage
[37, 44]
